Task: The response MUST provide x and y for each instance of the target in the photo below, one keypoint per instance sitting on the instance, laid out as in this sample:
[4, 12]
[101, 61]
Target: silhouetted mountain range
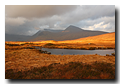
[70, 33]
[11, 37]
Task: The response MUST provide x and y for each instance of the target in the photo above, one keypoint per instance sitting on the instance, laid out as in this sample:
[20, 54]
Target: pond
[73, 51]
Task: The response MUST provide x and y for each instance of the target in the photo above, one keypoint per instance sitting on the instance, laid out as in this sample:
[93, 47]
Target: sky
[29, 19]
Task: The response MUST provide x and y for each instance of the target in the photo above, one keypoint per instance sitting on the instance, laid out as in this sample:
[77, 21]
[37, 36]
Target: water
[73, 51]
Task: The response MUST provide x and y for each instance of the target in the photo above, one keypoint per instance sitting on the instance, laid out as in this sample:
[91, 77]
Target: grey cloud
[15, 21]
[90, 22]
[37, 28]
[89, 12]
[28, 28]
[51, 21]
[36, 11]
[101, 24]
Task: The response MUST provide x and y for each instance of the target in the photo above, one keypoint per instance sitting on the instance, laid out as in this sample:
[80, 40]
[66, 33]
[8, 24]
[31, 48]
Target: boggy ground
[25, 62]
[85, 46]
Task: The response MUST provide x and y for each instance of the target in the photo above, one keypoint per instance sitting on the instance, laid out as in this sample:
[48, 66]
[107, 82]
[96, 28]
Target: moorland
[23, 61]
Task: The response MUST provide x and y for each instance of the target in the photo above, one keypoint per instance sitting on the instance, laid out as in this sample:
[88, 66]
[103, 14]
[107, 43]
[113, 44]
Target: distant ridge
[11, 37]
[72, 28]
[70, 33]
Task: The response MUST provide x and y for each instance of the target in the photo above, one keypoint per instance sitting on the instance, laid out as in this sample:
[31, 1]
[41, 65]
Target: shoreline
[18, 50]
[81, 48]
[20, 60]
[27, 58]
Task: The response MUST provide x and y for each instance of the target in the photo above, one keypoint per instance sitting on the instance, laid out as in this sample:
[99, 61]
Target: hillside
[104, 41]
[11, 37]
[104, 38]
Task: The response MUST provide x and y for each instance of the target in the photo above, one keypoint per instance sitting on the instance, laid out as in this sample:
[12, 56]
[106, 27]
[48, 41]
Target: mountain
[70, 33]
[11, 37]
[107, 39]
[43, 33]
[72, 28]
[51, 30]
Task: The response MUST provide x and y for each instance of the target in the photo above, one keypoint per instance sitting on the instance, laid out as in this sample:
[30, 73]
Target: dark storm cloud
[36, 11]
[27, 28]
[27, 20]
[24, 19]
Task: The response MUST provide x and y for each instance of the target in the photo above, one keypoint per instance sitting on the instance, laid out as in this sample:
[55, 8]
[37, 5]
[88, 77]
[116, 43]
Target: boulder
[113, 54]
[48, 52]
[107, 55]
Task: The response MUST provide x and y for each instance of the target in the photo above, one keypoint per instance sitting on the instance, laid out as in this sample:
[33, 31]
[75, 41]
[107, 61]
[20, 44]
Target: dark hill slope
[69, 33]
[11, 37]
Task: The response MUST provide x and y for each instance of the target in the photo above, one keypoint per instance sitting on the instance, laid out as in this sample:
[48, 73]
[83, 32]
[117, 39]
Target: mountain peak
[73, 28]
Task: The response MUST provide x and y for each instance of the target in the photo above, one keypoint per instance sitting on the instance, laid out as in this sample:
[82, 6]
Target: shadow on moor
[71, 70]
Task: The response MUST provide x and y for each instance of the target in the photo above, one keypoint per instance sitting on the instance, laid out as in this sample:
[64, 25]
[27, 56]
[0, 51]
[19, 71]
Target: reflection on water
[73, 51]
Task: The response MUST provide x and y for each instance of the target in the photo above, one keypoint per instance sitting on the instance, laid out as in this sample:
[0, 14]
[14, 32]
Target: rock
[113, 54]
[48, 52]
[45, 52]
[107, 55]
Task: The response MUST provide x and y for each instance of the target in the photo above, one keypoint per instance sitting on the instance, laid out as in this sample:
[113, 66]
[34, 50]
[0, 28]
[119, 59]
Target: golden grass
[101, 41]
[25, 59]
[104, 38]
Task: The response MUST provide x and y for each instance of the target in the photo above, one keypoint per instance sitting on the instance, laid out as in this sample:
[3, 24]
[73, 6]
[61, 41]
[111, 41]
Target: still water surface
[73, 51]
